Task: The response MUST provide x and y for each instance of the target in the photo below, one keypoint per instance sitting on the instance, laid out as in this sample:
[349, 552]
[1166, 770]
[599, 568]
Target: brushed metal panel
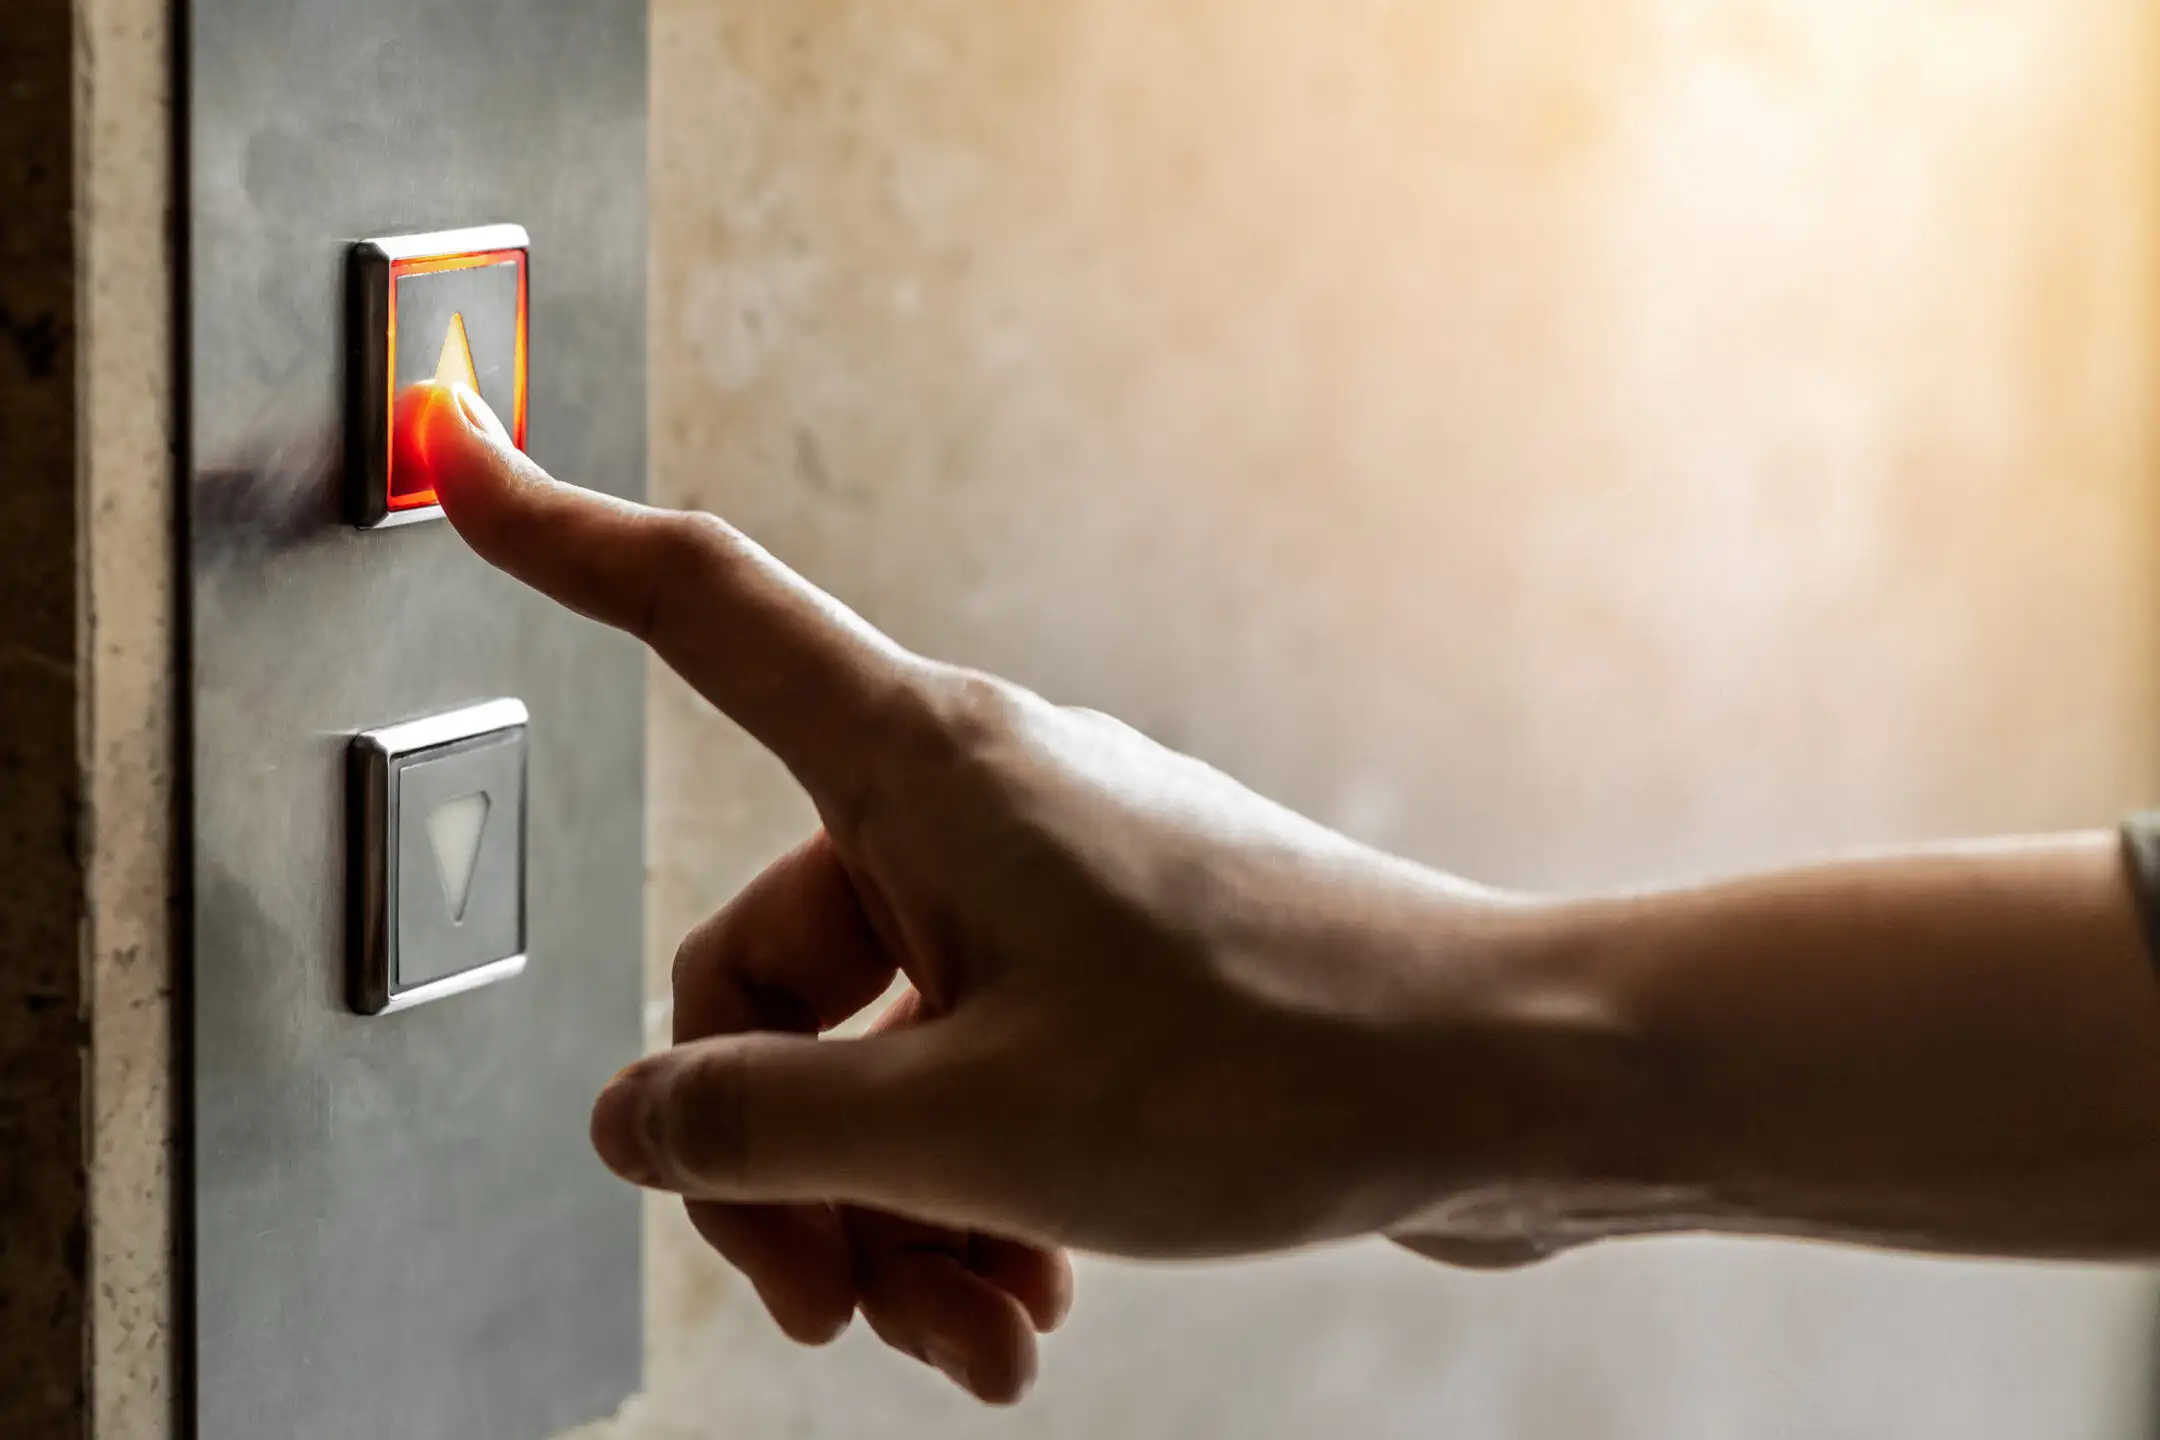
[398, 1226]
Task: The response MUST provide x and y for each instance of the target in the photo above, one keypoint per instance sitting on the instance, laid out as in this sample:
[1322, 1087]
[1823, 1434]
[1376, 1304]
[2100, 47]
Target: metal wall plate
[398, 1227]
[408, 298]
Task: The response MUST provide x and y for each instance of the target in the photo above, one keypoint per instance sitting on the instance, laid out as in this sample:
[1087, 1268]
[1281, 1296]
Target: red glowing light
[404, 452]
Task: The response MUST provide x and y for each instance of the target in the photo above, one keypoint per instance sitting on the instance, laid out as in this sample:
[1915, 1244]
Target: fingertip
[1004, 1377]
[445, 413]
[463, 447]
[1039, 1277]
[815, 1329]
[929, 1306]
[797, 1258]
[1000, 1369]
[481, 416]
[1051, 1311]
[808, 1312]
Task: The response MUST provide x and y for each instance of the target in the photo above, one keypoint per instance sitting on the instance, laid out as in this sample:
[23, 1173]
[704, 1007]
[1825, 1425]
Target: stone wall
[129, 644]
[87, 657]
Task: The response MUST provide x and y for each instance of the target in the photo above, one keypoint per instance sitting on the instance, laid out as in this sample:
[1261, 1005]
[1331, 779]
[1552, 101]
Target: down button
[438, 886]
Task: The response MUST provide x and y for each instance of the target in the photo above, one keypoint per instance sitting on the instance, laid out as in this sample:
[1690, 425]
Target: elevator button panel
[438, 857]
[449, 306]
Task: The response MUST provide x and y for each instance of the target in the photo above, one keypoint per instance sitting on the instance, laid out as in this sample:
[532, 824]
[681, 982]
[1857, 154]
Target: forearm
[1954, 1050]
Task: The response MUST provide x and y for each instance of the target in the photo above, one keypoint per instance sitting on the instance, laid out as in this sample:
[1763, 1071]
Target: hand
[1145, 1011]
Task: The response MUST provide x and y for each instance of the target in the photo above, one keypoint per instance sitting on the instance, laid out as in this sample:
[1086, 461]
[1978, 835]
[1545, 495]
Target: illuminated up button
[449, 306]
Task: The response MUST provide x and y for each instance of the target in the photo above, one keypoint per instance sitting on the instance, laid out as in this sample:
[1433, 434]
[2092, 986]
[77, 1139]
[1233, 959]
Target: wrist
[1552, 1122]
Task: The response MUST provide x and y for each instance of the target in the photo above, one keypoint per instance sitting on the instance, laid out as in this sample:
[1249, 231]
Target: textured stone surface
[86, 720]
[42, 1185]
[1575, 443]
[129, 647]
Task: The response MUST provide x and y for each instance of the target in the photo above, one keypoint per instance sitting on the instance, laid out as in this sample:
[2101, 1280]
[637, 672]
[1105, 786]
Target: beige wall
[126, 488]
[1574, 442]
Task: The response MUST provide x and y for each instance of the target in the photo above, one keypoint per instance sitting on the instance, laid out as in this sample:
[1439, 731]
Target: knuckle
[689, 956]
[969, 746]
[702, 948]
[1108, 726]
[687, 554]
[690, 537]
[948, 718]
[951, 741]
[703, 1124]
[977, 714]
[953, 734]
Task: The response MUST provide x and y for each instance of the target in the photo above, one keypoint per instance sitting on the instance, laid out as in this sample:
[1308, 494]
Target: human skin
[1148, 1013]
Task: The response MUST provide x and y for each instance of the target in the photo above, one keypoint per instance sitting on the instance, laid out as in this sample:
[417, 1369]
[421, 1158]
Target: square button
[448, 306]
[438, 883]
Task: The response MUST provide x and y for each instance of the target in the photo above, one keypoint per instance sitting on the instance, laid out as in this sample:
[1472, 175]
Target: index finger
[805, 675]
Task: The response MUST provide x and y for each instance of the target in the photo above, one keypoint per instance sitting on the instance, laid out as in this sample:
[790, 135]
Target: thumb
[779, 1118]
[790, 664]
